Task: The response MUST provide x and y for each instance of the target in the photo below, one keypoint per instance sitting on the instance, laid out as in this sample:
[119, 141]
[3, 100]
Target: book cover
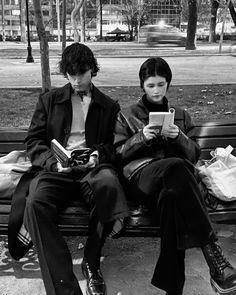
[161, 120]
[69, 158]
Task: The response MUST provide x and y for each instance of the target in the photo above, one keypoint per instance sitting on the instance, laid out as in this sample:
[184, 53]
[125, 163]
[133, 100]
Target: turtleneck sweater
[155, 107]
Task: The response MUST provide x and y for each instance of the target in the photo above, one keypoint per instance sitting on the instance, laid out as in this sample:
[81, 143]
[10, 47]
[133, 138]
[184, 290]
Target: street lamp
[29, 48]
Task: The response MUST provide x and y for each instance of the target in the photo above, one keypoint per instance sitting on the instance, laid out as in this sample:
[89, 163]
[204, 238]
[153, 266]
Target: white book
[161, 120]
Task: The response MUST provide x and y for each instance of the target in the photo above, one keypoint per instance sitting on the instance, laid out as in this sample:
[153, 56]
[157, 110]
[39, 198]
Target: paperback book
[161, 120]
[69, 158]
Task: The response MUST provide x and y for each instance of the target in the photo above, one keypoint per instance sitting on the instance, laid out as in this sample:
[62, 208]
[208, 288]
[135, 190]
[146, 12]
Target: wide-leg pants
[49, 193]
[169, 186]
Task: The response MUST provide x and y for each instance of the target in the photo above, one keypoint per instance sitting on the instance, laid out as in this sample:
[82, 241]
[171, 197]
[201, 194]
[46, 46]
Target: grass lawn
[203, 102]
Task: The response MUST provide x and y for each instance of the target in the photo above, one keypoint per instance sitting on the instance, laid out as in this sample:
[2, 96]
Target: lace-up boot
[223, 274]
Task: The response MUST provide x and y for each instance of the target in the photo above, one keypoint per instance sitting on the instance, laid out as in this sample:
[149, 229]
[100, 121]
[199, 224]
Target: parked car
[155, 34]
[202, 33]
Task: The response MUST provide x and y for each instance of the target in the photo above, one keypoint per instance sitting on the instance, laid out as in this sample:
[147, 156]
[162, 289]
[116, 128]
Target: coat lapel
[93, 124]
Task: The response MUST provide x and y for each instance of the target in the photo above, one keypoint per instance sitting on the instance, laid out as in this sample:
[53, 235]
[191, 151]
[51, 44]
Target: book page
[161, 120]
[61, 154]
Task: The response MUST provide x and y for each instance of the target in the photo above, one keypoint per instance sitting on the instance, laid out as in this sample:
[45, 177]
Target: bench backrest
[209, 135]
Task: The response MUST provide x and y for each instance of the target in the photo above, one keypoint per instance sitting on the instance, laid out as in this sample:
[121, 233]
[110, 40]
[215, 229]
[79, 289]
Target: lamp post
[29, 48]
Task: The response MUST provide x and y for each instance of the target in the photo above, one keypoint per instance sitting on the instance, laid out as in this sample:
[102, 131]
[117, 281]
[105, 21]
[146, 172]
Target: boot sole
[220, 291]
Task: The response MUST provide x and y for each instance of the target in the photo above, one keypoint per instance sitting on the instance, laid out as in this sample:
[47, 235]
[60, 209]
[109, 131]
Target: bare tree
[232, 12]
[44, 49]
[63, 25]
[3, 21]
[192, 25]
[214, 8]
[22, 21]
[135, 13]
[82, 21]
[75, 18]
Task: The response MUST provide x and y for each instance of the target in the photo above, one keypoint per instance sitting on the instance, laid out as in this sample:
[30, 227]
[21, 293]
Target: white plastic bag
[12, 167]
[219, 174]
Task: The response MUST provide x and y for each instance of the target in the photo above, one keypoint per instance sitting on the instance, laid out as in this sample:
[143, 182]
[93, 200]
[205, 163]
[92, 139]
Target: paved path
[123, 71]
[127, 266]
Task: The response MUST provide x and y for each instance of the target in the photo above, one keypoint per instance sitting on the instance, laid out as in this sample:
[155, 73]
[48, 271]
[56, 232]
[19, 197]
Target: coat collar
[142, 110]
[64, 94]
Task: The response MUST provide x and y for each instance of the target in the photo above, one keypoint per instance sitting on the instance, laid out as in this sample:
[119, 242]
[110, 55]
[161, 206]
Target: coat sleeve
[37, 147]
[184, 145]
[128, 140]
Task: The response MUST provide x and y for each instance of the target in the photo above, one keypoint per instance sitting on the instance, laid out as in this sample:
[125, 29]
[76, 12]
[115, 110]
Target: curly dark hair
[155, 66]
[76, 59]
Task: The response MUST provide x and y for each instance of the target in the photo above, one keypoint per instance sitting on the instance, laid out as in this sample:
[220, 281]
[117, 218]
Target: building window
[15, 22]
[105, 22]
[7, 12]
[115, 2]
[45, 12]
[106, 12]
[15, 12]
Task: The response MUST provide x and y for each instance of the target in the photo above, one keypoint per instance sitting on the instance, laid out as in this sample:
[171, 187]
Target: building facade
[109, 15]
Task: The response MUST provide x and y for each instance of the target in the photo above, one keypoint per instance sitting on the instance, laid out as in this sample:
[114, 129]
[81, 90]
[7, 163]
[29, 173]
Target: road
[187, 70]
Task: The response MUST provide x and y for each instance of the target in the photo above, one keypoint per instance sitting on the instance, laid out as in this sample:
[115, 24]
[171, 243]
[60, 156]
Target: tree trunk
[51, 17]
[100, 17]
[74, 18]
[214, 8]
[63, 25]
[232, 12]
[192, 25]
[82, 21]
[3, 21]
[44, 50]
[22, 21]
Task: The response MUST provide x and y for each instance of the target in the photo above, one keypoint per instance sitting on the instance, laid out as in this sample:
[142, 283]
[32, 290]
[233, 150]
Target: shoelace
[219, 260]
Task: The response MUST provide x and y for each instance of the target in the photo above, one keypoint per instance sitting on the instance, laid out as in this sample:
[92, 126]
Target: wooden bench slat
[215, 131]
[212, 143]
[11, 146]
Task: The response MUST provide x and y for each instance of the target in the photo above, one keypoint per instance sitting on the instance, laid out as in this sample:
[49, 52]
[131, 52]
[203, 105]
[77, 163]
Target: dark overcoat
[52, 119]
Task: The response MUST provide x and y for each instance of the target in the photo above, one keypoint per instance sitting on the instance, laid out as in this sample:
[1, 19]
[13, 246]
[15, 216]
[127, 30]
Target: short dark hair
[76, 59]
[155, 66]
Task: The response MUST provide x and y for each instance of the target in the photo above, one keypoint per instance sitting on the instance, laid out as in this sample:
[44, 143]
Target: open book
[161, 120]
[69, 158]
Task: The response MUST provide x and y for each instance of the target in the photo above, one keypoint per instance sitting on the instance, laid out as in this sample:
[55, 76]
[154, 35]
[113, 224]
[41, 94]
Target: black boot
[95, 282]
[223, 274]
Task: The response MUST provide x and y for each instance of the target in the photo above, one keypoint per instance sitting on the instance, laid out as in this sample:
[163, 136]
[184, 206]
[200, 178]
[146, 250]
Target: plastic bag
[219, 174]
[12, 167]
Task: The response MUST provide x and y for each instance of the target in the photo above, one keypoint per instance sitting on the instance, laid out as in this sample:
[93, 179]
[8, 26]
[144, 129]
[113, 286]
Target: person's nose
[77, 80]
[156, 90]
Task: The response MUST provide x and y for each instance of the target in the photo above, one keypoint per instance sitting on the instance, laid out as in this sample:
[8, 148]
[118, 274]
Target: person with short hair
[78, 116]
[159, 171]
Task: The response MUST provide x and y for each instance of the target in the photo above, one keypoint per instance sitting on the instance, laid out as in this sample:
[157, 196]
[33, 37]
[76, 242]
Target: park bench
[74, 219]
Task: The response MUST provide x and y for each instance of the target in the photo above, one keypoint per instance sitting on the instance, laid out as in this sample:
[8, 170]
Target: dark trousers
[49, 193]
[169, 186]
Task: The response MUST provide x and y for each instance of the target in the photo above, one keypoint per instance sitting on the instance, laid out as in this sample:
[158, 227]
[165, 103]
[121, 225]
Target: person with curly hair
[78, 116]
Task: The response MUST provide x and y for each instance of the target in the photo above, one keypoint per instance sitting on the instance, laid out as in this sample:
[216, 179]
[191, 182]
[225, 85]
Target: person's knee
[178, 168]
[109, 178]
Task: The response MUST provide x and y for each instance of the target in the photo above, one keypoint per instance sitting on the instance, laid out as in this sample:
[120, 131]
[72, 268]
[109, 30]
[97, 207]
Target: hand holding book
[70, 158]
[161, 121]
